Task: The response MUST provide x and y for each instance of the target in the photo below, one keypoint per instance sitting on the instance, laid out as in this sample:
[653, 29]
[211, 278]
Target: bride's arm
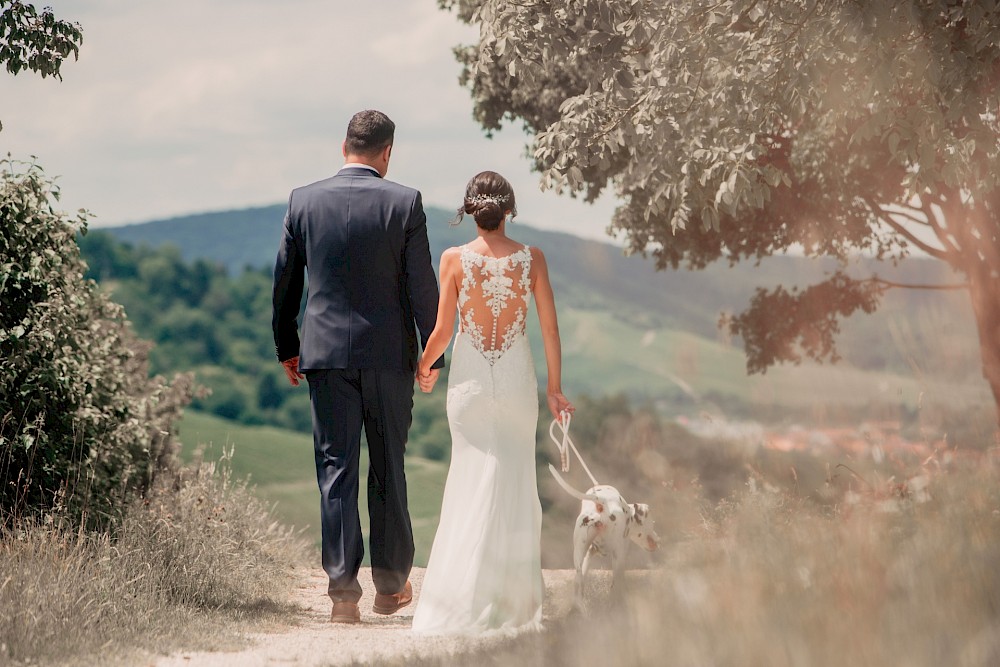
[545, 304]
[438, 341]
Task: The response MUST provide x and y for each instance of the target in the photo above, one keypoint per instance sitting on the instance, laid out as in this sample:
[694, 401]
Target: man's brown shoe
[345, 612]
[390, 604]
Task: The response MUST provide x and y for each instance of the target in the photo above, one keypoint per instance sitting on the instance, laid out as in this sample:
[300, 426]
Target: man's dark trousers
[380, 400]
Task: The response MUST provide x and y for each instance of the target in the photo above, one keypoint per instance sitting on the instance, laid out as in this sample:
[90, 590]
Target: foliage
[202, 320]
[738, 129]
[199, 552]
[810, 316]
[81, 422]
[33, 41]
[36, 42]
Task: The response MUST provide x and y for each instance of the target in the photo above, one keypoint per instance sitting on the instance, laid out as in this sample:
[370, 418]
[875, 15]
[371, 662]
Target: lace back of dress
[493, 300]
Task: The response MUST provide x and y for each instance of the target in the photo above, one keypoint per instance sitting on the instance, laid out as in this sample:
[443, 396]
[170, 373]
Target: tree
[738, 129]
[81, 421]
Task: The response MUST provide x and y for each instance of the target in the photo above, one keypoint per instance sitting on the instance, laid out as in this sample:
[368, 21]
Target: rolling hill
[585, 273]
[654, 334]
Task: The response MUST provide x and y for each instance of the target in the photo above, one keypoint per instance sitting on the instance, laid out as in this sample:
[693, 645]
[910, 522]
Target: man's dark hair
[369, 132]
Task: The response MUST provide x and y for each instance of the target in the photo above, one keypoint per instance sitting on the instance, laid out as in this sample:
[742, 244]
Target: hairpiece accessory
[499, 200]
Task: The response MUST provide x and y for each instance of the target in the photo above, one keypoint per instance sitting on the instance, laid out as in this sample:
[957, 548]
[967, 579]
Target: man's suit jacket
[363, 240]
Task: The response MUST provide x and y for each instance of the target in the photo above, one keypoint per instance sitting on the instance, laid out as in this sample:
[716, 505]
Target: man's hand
[427, 379]
[291, 367]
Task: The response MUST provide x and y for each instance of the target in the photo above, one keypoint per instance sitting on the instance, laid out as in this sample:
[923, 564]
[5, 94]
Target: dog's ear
[640, 510]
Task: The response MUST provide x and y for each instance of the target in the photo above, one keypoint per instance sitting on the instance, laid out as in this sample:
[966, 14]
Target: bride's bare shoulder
[451, 257]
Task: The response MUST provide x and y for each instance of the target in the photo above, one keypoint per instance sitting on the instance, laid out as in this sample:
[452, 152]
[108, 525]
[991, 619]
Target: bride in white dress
[484, 572]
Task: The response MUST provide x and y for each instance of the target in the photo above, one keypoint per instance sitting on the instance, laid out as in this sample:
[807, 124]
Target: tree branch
[625, 114]
[941, 232]
[891, 283]
[905, 233]
[905, 214]
[798, 26]
[697, 85]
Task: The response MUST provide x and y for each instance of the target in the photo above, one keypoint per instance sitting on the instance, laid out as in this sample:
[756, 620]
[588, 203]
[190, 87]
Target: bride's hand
[427, 378]
[559, 403]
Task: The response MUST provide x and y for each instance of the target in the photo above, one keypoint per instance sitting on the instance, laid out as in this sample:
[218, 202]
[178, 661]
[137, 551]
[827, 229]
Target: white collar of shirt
[355, 165]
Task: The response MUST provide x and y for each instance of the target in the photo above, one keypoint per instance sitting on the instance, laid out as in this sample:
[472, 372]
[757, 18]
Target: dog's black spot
[613, 517]
[626, 529]
[585, 521]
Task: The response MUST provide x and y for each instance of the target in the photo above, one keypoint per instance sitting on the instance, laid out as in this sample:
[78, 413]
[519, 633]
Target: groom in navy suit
[371, 289]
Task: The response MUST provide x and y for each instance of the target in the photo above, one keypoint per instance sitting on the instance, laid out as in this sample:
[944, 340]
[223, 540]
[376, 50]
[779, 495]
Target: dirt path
[311, 639]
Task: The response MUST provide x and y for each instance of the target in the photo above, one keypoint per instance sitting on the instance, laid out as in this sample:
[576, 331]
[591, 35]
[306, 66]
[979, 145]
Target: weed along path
[310, 639]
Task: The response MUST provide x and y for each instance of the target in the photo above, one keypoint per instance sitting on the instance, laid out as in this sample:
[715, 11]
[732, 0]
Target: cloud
[189, 106]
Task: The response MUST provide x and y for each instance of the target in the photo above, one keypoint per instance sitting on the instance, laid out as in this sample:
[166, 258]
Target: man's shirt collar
[358, 165]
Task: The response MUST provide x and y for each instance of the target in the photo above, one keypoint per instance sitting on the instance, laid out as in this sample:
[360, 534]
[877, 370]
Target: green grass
[279, 463]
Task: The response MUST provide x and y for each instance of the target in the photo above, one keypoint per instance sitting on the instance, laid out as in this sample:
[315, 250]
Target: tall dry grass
[893, 575]
[198, 553]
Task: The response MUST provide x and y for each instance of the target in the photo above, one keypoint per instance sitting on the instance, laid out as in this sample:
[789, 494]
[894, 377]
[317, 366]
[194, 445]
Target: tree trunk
[985, 294]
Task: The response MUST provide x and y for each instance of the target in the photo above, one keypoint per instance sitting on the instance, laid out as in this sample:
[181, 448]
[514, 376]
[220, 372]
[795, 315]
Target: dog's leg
[617, 574]
[588, 528]
[586, 562]
[581, 546]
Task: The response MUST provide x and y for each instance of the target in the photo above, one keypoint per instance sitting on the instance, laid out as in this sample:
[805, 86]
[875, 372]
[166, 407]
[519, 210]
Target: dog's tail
[569, 489]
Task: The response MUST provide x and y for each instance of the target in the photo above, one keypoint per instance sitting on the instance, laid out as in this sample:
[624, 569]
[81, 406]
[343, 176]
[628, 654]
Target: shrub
[81, 423]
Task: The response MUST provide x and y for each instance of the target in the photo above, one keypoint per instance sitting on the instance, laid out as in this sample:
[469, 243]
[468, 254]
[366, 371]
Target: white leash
[566, 444]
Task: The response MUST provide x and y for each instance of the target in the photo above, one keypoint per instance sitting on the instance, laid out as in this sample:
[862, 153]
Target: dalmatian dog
[605, 525]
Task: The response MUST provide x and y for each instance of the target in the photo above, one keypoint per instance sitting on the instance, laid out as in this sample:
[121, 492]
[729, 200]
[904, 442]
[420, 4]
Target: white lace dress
[484, 572]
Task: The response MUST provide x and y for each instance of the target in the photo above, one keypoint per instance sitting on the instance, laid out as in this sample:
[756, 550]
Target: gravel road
[310, 639]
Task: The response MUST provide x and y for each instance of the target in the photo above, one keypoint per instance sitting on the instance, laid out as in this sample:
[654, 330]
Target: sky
[191, 106]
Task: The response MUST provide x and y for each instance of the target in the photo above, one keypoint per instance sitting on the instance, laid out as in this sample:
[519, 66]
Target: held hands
[427, 378]
[291, 367]
[558, 404]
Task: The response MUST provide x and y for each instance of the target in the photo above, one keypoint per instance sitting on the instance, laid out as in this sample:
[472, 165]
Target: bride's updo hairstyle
[487, 197]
